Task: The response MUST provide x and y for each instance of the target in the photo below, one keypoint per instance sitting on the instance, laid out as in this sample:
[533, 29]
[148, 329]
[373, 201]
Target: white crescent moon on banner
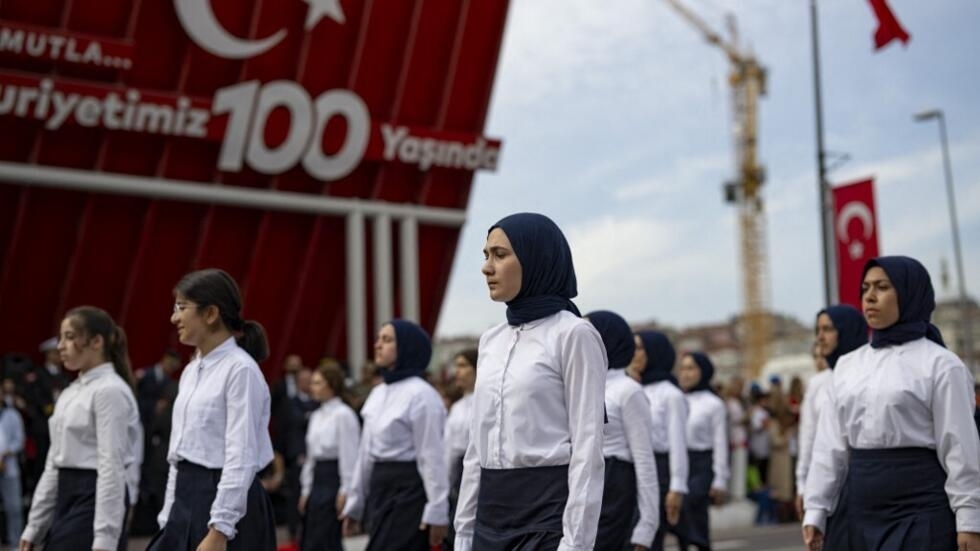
[859, 210]
[198, 19]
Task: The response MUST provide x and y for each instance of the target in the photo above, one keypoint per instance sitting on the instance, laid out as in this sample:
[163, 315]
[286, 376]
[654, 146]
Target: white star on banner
[319, 8]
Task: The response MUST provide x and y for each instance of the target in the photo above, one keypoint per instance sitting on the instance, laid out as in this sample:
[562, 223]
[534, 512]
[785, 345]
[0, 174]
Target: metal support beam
[383, 292]
[409, 254]
[356, 295]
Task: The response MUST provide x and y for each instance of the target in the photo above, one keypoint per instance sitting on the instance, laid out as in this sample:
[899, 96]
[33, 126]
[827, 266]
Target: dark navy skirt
[520, 509]
[187, 524]
[698, 499]
[321, 529]
[679, 529]
[74, 513]
[395, 503]
[896, 501]
[618, 505]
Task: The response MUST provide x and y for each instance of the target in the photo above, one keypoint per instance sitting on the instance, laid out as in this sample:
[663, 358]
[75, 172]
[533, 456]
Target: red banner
[856, 231]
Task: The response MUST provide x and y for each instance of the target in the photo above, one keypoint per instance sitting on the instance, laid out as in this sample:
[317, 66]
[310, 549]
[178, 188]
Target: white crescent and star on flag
[860, 211]
[199, 21]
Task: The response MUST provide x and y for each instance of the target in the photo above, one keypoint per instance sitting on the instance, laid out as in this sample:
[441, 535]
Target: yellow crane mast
[748, 83]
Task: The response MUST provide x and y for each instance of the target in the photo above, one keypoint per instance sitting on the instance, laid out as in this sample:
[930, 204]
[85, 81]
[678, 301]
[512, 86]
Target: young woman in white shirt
[707, 446]
[91, 474]
[631, 472]
[458, 430]
[897, 429]
[220, 436]
[332, 439]
[654, 359]
[400, 485]
[533, 473]
[840, 329]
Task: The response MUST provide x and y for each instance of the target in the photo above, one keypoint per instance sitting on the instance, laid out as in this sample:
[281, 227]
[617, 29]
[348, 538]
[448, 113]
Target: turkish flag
[888, 26]
[856, 231]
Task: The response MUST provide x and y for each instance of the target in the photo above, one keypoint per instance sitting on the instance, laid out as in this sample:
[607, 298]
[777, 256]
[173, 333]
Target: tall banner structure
[856, 231]
[320, 151]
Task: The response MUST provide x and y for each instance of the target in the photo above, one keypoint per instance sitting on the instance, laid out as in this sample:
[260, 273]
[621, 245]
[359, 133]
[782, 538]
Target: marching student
[533, 472]
[631, 472]
[91, 474]
[668, 414]
[400, 484]
[219, 439]
[332, 440]
[897, 428]
[840, 330]
[707, 446]
[458, 431]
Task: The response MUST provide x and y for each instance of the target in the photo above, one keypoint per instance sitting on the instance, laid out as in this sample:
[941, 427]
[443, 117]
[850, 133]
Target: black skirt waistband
[893, 454]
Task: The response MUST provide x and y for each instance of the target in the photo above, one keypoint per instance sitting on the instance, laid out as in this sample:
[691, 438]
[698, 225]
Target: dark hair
[213, 287]
[91, 321]
[334, 378]
[469, 354]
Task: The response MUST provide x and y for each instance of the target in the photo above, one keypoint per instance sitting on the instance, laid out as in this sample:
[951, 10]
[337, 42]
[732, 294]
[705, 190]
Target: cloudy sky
[616, 123]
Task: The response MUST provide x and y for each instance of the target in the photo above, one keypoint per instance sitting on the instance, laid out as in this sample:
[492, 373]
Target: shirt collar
[613, 374]
[95, 373]
[219, 351]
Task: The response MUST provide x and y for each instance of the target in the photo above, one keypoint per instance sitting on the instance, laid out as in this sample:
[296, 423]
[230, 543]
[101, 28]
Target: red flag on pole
[856, 230]
[888, 26]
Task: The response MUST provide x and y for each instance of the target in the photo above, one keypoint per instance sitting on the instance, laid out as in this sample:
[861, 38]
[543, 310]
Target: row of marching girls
[895, 463]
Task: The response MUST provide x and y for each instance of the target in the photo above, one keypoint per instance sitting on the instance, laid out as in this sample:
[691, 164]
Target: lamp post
[958, 255]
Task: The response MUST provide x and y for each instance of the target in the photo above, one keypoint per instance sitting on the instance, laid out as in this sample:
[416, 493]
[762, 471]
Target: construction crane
[748, 83]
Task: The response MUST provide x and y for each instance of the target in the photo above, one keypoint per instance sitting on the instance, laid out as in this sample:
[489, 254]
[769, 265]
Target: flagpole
[822, 188]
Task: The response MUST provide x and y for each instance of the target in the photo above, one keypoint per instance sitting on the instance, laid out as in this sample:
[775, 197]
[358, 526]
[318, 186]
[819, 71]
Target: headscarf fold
[916, 301]
[852, 330]
[547, 274]
[660, 358]
[617, 337]
[414, 350]
[707, 371]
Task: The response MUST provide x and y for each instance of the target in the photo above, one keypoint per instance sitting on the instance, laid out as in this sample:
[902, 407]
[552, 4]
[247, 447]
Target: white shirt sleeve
[349, 432]
[111, 433]
[957, 443]
[466, 504]
[306, 475]
[168, 496]
[43, 502]
[677, 435]
[828, 465]
[720, 447]
[636, 422]
[363, 466]
[244, 391]
[808, 429]
[428, 424]
[585, 389]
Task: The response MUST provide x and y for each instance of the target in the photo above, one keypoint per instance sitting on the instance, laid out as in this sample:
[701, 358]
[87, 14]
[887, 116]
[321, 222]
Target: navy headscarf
[660, 357]
[547, 274]
[617, 337]
[916, 301]
[852, 330]
[707, 371]
[414, 349]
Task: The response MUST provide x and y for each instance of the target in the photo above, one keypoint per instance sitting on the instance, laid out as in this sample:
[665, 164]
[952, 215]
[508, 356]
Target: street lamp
[947, 168]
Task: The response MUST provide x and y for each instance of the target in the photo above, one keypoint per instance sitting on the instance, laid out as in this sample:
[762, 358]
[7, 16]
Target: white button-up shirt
[917, 394]
[458, 428]
[627, 437]
[221, 421]
[404, 421]
[668, 415]
[95, 426]
[813, 403]
[333, 433]
[707, 429]
[540, 391]
[11, 440]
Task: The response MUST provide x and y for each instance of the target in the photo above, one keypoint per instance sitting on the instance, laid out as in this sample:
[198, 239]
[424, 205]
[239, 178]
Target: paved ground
[785, 537]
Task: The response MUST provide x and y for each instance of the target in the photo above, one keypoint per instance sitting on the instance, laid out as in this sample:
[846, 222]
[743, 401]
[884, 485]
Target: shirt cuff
[436, 515]
[968, 520]
[816, 518]
[642, 535]
[225, 528]
[104, 542]
[678, 484]
[720, 485]
[463, 543]
[31, 534]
